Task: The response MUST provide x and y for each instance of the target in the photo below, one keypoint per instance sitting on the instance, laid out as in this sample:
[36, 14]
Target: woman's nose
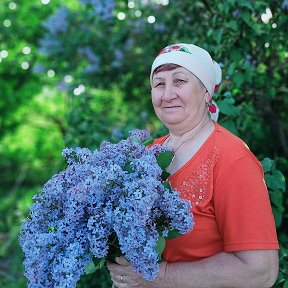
[168, 93]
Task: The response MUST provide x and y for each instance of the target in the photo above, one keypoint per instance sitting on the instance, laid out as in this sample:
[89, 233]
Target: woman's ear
[208, 97]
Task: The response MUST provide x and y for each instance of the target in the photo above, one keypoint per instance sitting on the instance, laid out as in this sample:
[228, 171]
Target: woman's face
[178, 98]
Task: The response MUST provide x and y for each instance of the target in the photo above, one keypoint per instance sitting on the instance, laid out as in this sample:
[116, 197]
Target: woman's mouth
[171, 107]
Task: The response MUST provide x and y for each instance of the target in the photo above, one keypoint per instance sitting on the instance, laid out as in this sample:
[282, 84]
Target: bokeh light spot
[45, 2]
[25, 65]
[12, 5]
[121, 15]
[138, 13]
[131, 4]
[265, 17]
[26, 50]
[7, 23]
[68, 78]
[79, 90]
[151, 19]
[51, 73]
[4, 54]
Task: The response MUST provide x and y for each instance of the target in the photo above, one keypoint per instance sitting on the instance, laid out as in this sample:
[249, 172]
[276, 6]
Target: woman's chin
[172, 120]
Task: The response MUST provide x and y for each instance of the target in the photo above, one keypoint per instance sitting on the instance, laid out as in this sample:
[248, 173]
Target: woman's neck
[177, 133]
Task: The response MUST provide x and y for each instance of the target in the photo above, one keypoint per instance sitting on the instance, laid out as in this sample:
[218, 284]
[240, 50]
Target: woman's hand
[123, 275]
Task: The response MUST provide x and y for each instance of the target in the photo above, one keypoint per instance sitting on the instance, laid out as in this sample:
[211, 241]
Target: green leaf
[52, 229]
[285, 284]
[226, 107]
[233, 25]
[246, 16]
[218, 36]
[267, 164]
[167, 185]
[230, 70]
[246, 4]
[278, 215]
[164, 159]
[148, 142]
[262, 68]
[160, 245]
[275, 181]
[276, 198]
[128, 168]
[90, 268]
[236, 56]
[99, 262]
[230, 125]
[173, 234]
[280, 179]
[102, 263]
[165, 175]
[239, 78]
[135, 139]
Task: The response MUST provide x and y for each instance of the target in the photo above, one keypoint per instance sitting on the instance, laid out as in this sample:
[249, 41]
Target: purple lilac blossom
[284, 5]
[57, 23]
[117, 133]
[38, 68]
[102, 8]
[236, 13]
[160, 27]
[78, 210]
[49, 45]
[93, 59]
[142, 135]
[118, 58]
[143, 116]
[158, 149]
[129, 44]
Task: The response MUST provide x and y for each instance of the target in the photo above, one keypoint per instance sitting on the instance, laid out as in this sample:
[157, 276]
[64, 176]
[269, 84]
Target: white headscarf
[196, 60]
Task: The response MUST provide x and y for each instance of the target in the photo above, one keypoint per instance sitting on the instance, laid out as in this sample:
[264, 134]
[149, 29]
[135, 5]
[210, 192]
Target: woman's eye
[159, 84]
[180, 81]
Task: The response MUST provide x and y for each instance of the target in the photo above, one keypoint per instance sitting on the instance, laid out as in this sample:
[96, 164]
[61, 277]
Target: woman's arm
[255, 269]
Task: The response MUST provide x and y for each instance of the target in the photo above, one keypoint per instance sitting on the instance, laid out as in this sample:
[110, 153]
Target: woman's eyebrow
[180, 72]
[158, 78]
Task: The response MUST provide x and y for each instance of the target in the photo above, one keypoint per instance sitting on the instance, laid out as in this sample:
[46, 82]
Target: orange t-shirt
[225, 183]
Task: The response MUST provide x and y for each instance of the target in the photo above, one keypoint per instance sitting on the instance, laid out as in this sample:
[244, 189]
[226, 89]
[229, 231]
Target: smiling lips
[171, 107]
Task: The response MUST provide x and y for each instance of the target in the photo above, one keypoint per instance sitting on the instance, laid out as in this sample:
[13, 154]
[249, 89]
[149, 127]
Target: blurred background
[73, 73]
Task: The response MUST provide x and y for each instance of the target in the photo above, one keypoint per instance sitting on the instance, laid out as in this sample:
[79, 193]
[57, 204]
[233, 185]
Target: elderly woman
[234, 242]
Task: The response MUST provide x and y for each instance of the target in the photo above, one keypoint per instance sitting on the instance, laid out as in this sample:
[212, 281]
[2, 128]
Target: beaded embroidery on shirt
[194, 186]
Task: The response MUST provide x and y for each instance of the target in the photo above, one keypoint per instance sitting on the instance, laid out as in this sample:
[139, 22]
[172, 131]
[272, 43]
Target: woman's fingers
[122, 261]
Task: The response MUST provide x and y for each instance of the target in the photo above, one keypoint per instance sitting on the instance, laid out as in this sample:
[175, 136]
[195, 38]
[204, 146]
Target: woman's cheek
[156, 99]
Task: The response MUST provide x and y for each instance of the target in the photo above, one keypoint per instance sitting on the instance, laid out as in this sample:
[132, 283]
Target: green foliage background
[108, 61]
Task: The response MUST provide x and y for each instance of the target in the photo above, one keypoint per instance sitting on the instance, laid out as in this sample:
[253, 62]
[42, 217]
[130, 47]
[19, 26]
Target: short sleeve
[242, 208]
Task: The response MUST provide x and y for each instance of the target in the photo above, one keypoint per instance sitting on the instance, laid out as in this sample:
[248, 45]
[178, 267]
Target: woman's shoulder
[226, 139]
[226, 135]
[231, 146]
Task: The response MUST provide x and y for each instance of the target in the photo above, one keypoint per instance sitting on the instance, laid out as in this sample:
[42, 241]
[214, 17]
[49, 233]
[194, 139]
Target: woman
[234, 242]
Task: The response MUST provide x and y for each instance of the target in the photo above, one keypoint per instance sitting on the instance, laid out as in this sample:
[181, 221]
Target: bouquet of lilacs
[108, 202]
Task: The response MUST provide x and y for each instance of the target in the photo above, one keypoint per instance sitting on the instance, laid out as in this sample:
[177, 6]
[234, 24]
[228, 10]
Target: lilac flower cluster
[92, 58]
[284, 5]
[57, 23]
[102, 8]
[116, 190]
